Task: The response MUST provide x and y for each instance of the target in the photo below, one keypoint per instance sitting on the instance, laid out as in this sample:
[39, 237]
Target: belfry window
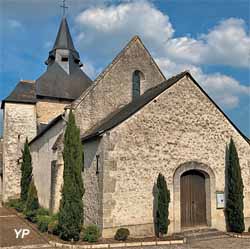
[65, 59]
[136, 90]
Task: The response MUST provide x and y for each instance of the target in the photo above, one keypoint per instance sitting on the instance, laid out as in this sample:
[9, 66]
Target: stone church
[134, 124]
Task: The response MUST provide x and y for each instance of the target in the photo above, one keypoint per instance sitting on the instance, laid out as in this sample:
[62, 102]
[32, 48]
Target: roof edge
[178, 77]
[50, 124]
[220, 110]
[17, 102]
[135, 38]
[183, 74]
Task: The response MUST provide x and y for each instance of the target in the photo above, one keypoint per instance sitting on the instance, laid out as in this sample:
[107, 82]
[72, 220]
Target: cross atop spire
[64, 7]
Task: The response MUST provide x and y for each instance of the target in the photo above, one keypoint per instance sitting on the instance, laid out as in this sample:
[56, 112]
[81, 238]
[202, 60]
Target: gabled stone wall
[177, 128]
[113, 88]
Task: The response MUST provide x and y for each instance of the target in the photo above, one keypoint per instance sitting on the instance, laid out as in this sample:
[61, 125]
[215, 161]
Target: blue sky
[208, 37]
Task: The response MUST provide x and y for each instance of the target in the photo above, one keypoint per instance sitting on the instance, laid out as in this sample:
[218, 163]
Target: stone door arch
[209, 189]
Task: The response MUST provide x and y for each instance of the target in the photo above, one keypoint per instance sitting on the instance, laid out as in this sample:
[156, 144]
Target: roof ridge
[75, 103]
[136, 105]
[135, 38]
[146, 98]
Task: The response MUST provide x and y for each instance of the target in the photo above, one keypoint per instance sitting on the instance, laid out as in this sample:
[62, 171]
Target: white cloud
[125, 16]
[104, 29]
[225, 90]
[118, 23]
[14, 23]
[227, 43]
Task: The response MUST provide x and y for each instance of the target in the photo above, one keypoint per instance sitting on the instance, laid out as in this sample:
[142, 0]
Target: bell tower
[64, 52]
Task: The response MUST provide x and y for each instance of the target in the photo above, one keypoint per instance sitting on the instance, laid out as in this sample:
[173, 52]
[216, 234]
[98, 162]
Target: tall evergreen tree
[163, 199]
[71, 205]
[234, 201]
[32, 199]
[26, 171]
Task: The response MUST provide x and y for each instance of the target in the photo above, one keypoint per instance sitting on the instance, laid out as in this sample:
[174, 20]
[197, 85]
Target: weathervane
[64, 7]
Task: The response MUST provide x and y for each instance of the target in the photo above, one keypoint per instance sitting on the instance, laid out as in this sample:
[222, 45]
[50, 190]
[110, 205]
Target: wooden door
[193, 199]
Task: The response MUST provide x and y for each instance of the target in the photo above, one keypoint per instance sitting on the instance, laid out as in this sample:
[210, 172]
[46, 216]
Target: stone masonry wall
[56, 182]
[93, 182]
[44, 158]
[48, 110]
[19, 123]
[113, 89]
[179, 126]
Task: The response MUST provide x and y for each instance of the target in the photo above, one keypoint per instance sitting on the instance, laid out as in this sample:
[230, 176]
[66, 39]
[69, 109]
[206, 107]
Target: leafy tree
[32, 203]
[234, 201]
[26, 171]
[71, 206]
[163, 199]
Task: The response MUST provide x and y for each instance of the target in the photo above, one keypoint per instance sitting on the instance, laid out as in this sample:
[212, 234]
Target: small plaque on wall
[220, 200]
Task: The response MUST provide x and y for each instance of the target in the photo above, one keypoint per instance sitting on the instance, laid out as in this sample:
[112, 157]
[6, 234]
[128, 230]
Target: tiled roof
[24, 92]
[56, 83]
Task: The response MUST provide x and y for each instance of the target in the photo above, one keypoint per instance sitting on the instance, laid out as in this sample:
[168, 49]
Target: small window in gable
[136, 80]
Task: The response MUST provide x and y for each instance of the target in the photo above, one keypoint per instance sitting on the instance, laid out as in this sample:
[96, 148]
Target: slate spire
[64, 78]
[64, 39]
[64, 49]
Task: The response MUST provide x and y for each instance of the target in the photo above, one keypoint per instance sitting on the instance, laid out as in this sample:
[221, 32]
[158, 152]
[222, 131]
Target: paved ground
[10, 221]
[224, 243]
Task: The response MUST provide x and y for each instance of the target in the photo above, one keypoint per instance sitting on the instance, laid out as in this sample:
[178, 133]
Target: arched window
[136, 91]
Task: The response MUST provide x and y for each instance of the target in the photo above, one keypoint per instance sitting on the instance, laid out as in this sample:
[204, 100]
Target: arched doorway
[193, 199]
[206, 174]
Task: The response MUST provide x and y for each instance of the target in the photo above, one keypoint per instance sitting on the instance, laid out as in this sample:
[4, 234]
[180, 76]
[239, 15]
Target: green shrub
[54, 216]
[53, 227]
[17, 204]
[43, 222]
[31, 215]
[122, 234]
[42, 211]
[91, 233]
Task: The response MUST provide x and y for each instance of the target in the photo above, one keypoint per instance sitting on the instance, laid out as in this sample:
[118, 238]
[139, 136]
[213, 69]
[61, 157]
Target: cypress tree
[71, 206]
[32, 199]
[26, 171]
[163, 199]
[234, 201]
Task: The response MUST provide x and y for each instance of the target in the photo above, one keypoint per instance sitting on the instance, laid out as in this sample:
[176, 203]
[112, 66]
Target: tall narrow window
[136, 84]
